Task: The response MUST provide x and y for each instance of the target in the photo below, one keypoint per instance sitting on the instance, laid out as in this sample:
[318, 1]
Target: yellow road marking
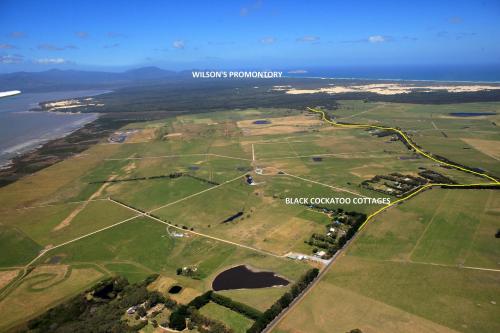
[403, 135]
[418, 150]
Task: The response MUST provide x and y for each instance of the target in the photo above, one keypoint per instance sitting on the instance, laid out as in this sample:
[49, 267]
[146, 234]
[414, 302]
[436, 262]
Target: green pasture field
[17, 248]
[453, 227]
[151, 194]
[146, 244]
[232, 319]
[267, 223]
[261, 299]
[39, 223]
[426, 241]
[56, 183]
[27, 301]
[398, 297]
[410, 259]
[450, 296]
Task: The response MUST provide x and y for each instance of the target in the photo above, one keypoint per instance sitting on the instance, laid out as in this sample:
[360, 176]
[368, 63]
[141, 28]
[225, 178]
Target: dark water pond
[175, 290]
[471, 114]
[233, 217]
[193, 167]
[240, 277]
[261, 122]
[317, 159]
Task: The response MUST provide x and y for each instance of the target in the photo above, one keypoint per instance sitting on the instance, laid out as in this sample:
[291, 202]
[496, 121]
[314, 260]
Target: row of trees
[436, 177]
[203, 324]
[244, 309]
[171, 176]
[179, 317]
[283, 302]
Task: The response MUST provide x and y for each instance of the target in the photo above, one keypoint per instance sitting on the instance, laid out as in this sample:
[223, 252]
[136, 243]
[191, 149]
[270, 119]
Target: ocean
[22, 130]
[452, 73]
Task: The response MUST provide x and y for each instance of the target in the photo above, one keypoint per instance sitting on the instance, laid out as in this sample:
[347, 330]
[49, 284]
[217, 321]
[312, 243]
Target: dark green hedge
[283, 302]
[244, 309]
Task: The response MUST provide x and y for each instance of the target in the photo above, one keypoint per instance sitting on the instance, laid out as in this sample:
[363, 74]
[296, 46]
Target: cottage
[132, 309]
[250, 180]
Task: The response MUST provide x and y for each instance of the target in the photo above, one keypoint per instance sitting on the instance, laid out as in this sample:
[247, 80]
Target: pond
[317, 159]
[471, 114]
[233, 217]
[242, 277]
[261, 122]
[175, 289]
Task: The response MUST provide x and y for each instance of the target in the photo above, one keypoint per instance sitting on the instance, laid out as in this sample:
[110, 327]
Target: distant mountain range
[55, 79]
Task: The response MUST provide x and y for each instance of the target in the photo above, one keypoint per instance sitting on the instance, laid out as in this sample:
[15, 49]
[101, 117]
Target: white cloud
[377, 39]
[11, 59]
[308, 39]
[178, 44]
[50, 61]
[268, 40]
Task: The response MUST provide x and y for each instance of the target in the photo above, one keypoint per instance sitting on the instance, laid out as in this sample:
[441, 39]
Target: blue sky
[268, 34]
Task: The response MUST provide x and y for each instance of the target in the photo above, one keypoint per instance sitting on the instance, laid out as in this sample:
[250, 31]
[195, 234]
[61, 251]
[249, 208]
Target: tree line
[284, 301]
[179, 317]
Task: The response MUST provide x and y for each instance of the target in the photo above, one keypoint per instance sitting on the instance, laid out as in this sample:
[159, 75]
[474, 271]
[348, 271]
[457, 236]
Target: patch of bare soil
[82, 206]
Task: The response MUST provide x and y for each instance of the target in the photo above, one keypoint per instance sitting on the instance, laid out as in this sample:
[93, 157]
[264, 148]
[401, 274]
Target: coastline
[56, 144]
[45, 154]
[31, 145]
[56, 125]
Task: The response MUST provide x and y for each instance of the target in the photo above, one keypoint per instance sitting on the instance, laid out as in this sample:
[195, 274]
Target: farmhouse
[320, 253]
[250, 180]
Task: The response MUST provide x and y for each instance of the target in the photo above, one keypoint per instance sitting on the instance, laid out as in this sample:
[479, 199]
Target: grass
[452, 229]
[17, 249]
[381, 284]
[261, 299]
[438, 226]
[132, 271]
[331, 309]
[234, 320]
[57, 183]
[150, 194]
[392, 267]
[397, 296]
[146, 244]
[266, 223]
[39, 223]
[14, 308]
[453, 297]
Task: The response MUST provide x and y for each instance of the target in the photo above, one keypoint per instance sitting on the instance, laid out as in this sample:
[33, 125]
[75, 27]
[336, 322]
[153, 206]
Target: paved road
[306, 291]
[325, 269]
